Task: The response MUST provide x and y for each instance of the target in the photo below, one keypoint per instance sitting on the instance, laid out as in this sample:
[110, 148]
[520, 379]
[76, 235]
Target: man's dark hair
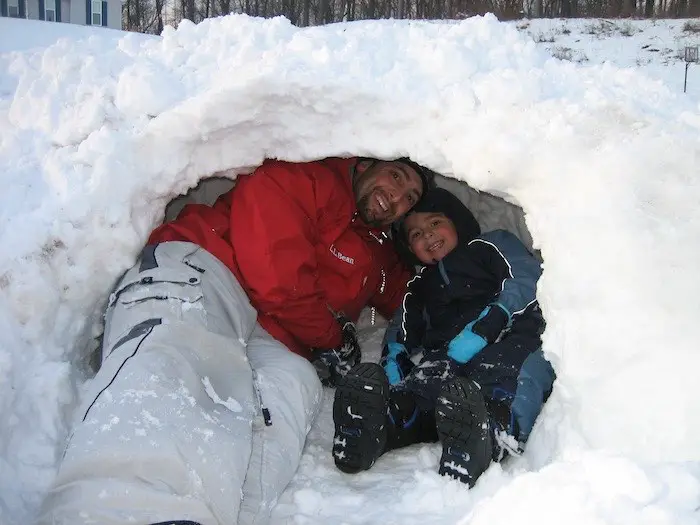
[426, 175]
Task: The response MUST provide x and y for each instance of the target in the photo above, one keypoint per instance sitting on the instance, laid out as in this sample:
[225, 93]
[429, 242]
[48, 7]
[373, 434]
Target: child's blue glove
[476, 335]
[466, 344]
[396, 363]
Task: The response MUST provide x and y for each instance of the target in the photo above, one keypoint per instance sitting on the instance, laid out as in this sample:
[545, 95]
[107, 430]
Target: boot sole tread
[360, 403]
[460, 413]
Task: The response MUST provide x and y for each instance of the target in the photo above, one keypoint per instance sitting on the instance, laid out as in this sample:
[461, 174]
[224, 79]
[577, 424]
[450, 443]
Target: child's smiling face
[431, 236]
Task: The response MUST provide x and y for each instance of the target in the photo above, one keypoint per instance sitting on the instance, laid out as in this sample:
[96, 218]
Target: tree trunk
[159, 16]
[137, 13]
[566, 8]
[648, 8]
[305, 13]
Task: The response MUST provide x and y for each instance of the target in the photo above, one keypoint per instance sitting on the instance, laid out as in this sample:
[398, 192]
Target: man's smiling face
[385, 191]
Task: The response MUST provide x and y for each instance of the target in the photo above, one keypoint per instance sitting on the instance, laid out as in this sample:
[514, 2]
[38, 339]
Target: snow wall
[107, 132]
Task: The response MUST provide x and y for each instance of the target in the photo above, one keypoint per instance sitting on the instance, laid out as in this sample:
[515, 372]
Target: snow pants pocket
[170, 290]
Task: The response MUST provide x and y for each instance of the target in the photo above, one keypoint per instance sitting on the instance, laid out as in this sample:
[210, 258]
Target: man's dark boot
[360, 417]
[464, 431]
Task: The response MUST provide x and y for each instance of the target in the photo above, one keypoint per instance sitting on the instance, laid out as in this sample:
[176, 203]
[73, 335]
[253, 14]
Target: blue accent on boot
[412, 419]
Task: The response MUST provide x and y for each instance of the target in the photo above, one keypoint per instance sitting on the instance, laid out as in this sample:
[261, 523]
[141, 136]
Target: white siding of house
[77, 11]
[33, 9]
[114, 14]
[65, 11]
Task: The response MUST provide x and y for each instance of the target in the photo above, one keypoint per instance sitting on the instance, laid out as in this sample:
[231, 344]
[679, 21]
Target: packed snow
[100, 130]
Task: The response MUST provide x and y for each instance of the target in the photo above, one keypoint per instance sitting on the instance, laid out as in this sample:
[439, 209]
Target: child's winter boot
[464, 430]
[505, 430]
[360, 416]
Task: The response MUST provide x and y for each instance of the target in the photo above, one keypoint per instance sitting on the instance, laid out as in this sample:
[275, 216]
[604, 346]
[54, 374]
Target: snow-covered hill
[99, 131]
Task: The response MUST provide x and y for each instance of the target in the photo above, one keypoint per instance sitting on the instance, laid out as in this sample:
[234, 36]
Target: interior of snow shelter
[491, 211]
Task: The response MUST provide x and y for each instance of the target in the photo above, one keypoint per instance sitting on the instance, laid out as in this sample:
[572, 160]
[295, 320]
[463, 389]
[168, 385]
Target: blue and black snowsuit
[490, 269]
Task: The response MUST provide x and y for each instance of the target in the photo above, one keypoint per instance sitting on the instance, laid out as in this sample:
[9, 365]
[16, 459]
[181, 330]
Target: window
[96, 12]
[13, 8]
[50, 10]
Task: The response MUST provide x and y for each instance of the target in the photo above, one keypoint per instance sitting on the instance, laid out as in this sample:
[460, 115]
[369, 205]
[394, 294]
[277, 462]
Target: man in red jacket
[200, 411]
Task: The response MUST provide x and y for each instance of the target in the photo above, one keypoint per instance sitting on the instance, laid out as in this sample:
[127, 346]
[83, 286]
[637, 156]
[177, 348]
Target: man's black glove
[334, 363]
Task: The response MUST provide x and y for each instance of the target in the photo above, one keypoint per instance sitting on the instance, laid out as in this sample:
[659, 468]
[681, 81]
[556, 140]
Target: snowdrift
[97, 135]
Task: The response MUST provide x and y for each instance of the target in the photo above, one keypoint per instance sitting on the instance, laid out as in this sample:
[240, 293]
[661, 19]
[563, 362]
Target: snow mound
[97, 135]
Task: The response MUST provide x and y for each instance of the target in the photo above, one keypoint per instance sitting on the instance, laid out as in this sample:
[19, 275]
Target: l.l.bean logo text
[340, 256]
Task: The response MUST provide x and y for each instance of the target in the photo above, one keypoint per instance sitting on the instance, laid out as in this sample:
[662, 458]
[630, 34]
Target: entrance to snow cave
[491, 211]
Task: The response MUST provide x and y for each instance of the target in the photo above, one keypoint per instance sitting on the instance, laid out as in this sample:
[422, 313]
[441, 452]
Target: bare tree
[139, 15]
[648, 8]
[152, 15]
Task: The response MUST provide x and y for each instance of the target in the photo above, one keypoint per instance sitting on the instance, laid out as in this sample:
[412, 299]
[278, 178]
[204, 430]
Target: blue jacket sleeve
[518, 270]
[407, 326]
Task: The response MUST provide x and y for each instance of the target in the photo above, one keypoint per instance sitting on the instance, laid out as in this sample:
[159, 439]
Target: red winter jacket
[291, 236]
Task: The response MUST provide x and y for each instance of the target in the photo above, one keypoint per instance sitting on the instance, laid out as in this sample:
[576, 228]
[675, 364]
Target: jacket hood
[438, 200]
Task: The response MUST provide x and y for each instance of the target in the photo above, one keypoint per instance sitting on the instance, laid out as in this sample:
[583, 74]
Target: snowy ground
[98, 131]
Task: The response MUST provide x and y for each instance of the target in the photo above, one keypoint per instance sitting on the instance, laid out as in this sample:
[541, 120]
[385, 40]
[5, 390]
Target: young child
[482, 379]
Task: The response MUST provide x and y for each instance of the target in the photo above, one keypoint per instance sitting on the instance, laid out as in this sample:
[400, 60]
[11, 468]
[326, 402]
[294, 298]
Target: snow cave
[560, 155]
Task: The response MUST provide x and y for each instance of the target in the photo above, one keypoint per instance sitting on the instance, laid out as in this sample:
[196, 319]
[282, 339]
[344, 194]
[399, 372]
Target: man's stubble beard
[362, 211]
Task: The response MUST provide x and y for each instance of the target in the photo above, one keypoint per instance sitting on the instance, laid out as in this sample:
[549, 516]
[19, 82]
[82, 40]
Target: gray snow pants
[196, 415]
